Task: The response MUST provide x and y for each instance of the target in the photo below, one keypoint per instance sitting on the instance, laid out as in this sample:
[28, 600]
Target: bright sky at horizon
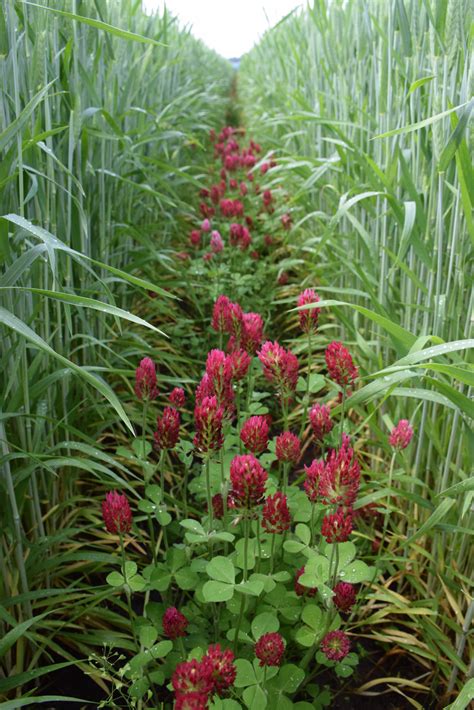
[229, 27]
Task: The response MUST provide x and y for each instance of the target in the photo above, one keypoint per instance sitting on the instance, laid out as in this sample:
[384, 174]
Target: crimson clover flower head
[275, 514]
[340, 365]
[222, 668]
[239, 364]
[340, 478]
[145, 380]
[320, 420]
[174, 623]
[191, 701]
[286, 221]
[177, 397]
[195, 237]
[335, 645]
[234, 321]
[208, 416]
[401, 435]
[254, 434]
[206, 225]
[308, 318]
[248, 479]
[313, 474]
[218, 380]
[116, 513]
[269, 649]
[300, 589]
[344, 596]
[337, 527]
[219, 370]
[288, 448]
[167, 429]
[217, 243]
[192, 677]
[252, 332]
[217, 506]
[220, 314]
[280, 367]
[204, 389]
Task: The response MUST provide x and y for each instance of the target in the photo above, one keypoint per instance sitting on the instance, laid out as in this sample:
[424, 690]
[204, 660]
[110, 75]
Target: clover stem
[152, 538]
[313, 507]
[238, 398]
[387, 512]
[145, 412]
[336, 565]
[221, 460]
[127, 590]
[242, 601]
[286, 468]
[249, 387]
[306, 402]
[161, 469]
[209, 493]
[272, 553]
[343, 412]
[284, 406]
[259, 546]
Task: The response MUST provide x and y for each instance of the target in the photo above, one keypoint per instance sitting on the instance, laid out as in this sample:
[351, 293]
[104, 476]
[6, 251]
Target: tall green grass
[103, 111]
[369, 104]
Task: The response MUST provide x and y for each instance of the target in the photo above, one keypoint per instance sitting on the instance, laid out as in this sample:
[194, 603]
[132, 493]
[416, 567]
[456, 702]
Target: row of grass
[370, 104]
[103, 113]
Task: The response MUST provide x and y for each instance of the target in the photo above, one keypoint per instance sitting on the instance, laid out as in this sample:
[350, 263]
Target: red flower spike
[344, 596]
[280, 367]
[308, 318]
[269, 649]
[217, 243]
[286, 221]
[288, 448]
[248, 479]
[218, 506]
[174, 623]
[252, 332]
[275, 514]
[335, 645]
[167, 429]
[240, 363]
[234, 322]
[401, 435]
[217, 380]
[195, 237]
[145, 380]
[192, 677]
[206, 225]
[220, 314]
[311, 483]
[208, 417]
[223, 669]
[320, 420]
[177, 397]
[191, 701]
[340, 365]
[337, 527]
[340, 478]
[301, 590]
[116, 513]
[254, 434]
